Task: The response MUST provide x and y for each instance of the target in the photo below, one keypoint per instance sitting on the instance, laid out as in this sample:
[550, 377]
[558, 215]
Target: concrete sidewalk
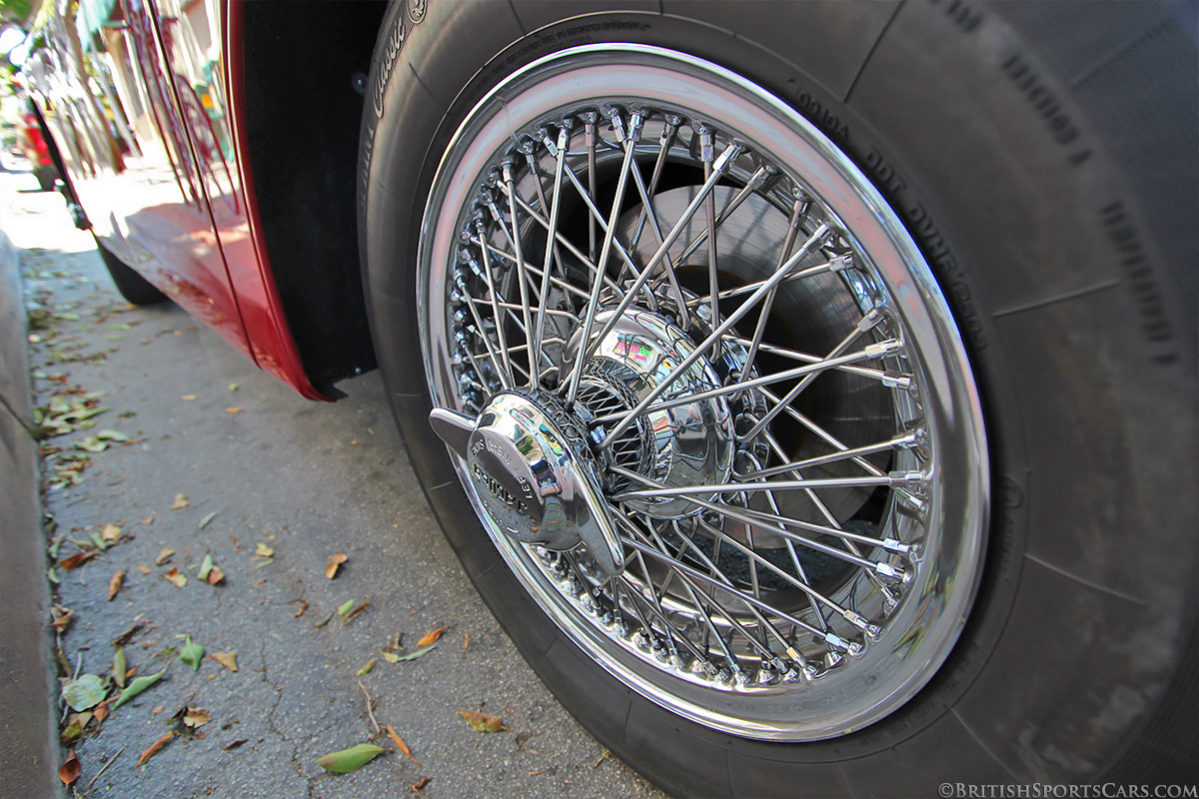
[28, 747]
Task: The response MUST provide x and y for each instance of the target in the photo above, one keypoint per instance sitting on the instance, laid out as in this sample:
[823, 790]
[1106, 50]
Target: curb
[29, 750]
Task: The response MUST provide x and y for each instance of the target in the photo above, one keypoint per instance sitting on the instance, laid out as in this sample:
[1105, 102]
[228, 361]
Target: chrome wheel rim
[795, 499]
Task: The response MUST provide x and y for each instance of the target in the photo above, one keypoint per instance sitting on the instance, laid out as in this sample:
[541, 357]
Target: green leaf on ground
[205, 568]
[119, 666]
[136, 687]
[192, 653]
[350, 759]
[84, 693]
[415, 653]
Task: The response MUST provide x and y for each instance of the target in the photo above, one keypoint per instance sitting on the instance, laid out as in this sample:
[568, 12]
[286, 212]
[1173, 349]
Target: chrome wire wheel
[703, 392]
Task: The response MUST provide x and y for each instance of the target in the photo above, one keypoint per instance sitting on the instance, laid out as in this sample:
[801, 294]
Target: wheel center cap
[533, 473]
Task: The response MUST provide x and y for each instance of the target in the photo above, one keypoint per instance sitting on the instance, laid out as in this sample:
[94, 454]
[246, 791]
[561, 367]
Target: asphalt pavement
[165, 452]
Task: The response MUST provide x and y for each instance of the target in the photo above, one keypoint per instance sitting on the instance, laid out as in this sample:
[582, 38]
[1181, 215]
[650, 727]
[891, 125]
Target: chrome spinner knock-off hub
[534, 474]
[532, 462]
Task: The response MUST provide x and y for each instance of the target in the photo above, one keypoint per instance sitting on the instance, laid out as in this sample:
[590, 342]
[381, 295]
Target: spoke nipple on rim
[895, 573]
[872, 318]
[881, 349]
[913, 476]
[840, 263]
[836, 641]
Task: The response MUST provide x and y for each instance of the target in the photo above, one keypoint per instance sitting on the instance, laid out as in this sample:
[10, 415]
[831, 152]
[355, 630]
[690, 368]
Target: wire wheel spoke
[748, 403]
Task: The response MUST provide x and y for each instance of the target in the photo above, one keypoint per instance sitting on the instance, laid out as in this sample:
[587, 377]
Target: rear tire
[132, 286]
[1047, 177]
[47, 176]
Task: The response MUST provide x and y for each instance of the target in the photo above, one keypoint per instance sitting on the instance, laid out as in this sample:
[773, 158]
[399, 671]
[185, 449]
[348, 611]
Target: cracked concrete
[306, 480]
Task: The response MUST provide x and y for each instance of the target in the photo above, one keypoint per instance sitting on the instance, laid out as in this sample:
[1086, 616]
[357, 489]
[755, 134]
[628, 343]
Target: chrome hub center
[683, 439]
[534, 474]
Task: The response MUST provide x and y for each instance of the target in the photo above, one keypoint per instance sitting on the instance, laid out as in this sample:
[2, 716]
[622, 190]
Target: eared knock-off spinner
[533, 473]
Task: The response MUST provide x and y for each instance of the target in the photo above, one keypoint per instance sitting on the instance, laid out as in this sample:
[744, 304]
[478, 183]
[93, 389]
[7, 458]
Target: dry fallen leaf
[70, 770]
[303, 607]
[175, 577]
[110, 533]
[370, 665]
[187, 397]
[216, 576]
[261, 550]
[180, 502]
[61, 617]
[335, 562]
[101, 711]
[147, 520]
[226, 659]
[155, 747]
[482, 722]
[114, 584]
[196, 717]
[144, 569]
[234, 744]
[77, 560]
[76, 722]
[163, 556]
[399, 742]
[233, 410]
[419, 785]
[125, 637]
[431, 636]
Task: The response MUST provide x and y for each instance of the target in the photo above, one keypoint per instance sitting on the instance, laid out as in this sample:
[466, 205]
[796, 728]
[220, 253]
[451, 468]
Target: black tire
[47, 176]
[1047, 167]
[132, 286]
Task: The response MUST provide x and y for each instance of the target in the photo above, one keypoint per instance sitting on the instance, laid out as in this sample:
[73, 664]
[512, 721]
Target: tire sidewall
[411, 107]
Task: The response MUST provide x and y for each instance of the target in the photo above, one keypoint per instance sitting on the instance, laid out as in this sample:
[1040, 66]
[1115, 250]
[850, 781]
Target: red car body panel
[181, 209]
[253, 283]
